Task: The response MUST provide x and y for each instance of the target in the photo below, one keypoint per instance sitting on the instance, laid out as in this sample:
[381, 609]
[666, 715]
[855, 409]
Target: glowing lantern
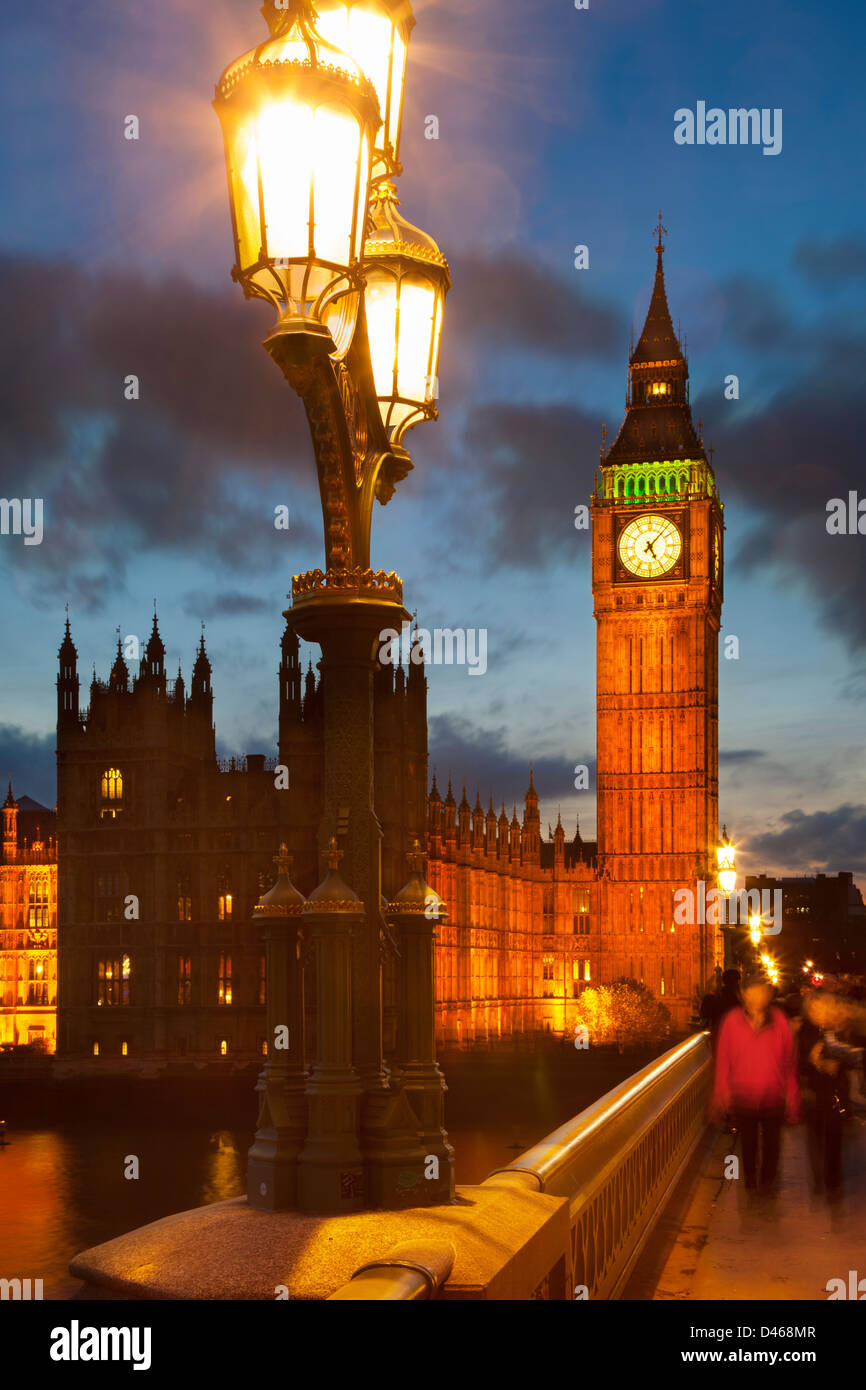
[725, 856]
[407, 280]
[298, 118]
[376, 33]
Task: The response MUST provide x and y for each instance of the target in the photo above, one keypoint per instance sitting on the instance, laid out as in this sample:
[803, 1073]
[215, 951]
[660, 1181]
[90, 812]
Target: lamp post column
[330, 1167]
[345, 612]
[414, 915]
[273, 1159]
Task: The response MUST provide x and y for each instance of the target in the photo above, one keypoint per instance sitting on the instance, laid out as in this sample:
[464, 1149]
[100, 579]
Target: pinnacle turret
[118, 681]
[200, 687]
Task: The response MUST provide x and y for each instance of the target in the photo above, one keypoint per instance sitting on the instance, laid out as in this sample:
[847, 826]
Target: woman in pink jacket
[756, 1079]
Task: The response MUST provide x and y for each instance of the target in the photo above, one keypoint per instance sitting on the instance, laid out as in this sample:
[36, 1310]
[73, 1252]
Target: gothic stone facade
[28, 925]
[165, 850]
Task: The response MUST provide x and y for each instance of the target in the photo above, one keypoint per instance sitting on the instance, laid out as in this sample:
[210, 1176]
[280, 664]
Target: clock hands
[649, 547]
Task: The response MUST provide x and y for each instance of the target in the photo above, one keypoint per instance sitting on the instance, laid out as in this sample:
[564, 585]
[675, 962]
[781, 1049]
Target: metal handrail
[409, 1272]
[618, 1160]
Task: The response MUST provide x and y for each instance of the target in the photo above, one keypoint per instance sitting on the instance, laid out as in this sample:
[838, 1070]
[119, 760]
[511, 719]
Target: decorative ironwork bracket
[355, 460]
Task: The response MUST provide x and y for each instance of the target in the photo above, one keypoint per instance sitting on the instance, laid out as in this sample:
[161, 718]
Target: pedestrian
[716, 1004]
[827, 1060]
[756, 1079]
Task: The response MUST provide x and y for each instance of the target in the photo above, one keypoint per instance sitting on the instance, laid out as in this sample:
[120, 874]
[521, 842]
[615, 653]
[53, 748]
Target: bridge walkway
[717, 1241]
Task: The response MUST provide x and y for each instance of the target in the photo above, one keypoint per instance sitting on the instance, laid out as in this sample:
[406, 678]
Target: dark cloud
[537, 469]
[511, 301]
[756, 315]
[229, 604]
[29, 759]
[787, 460]
[194, 466]
[832, 263]
[740, 755]
[482, 759]
[816, 841]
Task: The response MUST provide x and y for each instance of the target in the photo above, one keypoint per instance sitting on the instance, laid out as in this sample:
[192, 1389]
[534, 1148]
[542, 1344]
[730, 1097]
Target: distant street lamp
[725, 858]
[726, 876]
[755, 931]
[311, 124]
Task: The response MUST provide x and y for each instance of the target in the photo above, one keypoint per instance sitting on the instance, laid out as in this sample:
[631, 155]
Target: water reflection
[61, 1192]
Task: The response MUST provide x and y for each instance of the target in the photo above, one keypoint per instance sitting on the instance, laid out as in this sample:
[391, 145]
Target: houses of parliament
[129, 921]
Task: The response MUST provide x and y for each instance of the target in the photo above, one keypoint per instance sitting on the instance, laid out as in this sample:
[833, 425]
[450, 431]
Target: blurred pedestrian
[717, 1004]
[827, 1059]
[756, 1079]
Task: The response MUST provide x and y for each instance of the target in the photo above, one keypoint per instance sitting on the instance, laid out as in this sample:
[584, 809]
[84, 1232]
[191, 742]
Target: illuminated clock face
[650, 546]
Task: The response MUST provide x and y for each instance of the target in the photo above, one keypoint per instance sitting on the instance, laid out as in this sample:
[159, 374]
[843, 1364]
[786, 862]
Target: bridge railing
[618, 1161]
[615, 1164]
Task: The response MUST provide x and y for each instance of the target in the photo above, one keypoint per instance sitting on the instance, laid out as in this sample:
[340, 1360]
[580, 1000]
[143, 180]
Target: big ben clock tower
[657, 534]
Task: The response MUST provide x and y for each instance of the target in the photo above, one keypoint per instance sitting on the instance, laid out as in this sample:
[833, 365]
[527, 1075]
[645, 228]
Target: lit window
[225, 980]
[184, 980]
[124, 1049]
[264, 1047]
[107, 982]
[112, 981]
[112, 792]
[224, 1048]
[37, 917]
[225, 906]
[660, 388]
[184, 899]
[96, 1049]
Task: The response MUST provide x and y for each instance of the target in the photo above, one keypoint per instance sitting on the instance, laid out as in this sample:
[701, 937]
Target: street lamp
[725, 857]
[755, 931]
[726, 876]
[298, 117]
[309, 118]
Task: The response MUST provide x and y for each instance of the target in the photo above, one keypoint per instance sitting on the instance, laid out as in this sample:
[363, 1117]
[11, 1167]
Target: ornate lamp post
[309, 118]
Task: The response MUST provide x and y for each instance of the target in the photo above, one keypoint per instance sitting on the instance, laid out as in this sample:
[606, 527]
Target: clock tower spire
[657, 589]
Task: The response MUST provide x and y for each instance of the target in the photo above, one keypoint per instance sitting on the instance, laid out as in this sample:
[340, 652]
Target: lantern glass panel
[395, 114]
[244, 192]
[417, 314]
[282, 155]
[312, 164]
[381, 306]
[377, 47]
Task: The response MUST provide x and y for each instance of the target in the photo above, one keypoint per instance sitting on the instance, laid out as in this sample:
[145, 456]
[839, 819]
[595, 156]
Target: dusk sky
[556, 128]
